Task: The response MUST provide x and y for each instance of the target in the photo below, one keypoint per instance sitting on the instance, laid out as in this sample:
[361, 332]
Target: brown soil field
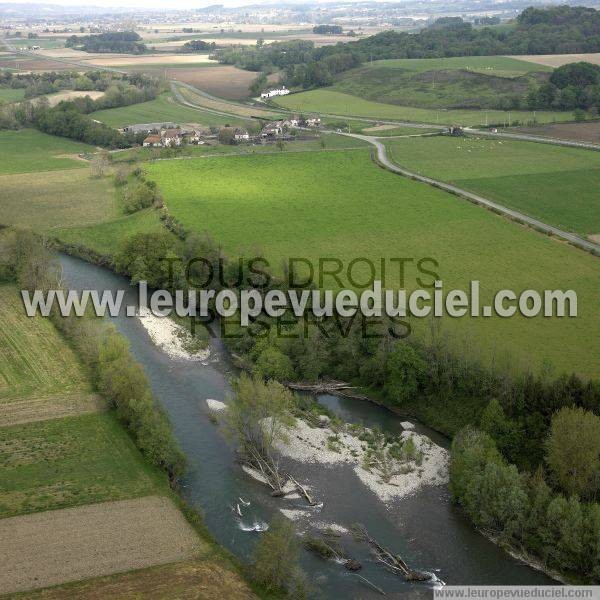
[27, 410]
[557, 60]
[223, 81]
[578, 132]
[595, 238]
[189, 580]
[54, 547]
[54, 99]
[146, 59]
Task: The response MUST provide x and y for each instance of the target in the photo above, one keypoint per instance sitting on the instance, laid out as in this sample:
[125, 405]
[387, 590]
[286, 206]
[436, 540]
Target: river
[426, 529]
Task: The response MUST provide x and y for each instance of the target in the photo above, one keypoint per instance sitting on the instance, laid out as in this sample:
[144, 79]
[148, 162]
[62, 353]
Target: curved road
[385, 161]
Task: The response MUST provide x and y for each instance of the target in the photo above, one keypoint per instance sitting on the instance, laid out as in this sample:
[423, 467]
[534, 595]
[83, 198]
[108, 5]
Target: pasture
[339, 204]
[329, 101]
[558, 60]
[69, 462]
[29, 150]
[58, 198]
[34, 360]
[556, 184]
[163, 108]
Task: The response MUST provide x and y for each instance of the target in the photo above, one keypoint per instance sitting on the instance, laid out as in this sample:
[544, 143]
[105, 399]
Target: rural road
[384, 160]
[524, 137]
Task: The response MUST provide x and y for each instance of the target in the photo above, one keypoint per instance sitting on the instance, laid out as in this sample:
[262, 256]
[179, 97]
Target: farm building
[152, 141]
[171, 137]
[148, 127]
[282, 91]
[241, 134]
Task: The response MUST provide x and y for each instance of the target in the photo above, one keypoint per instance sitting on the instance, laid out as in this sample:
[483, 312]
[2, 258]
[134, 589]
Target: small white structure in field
[282, 91]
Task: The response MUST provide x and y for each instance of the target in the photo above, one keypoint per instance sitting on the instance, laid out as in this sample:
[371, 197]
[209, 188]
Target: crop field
[53, 547]
[29, 150]
[224, 81]
[163, 108]
[558, 60]
[500, 66]
[556, 184]
[56, 199]
[189, 580]
[324, 213]
[337, 103]
[69, 462]
[239, 110]
[578, 132]
[34, 360]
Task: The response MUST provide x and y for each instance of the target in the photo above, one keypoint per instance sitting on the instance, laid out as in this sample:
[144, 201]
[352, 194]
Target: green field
[73, 461]
[11, 95]
[337, 103]
[555, 184]
[339, 204]
[29, 150]
[107, 237]
[56, 198]
[163, 108]
[34, 360]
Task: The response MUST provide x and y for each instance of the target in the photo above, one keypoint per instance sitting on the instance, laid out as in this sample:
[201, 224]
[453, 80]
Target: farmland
[237, 199]
[58, 198]
[330, 101]
[162, 109]
[28, 150]
[555, 184]
[73, 461]
[33, 357]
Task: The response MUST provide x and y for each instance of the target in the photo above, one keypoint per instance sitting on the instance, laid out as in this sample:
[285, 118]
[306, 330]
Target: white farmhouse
[282, 91]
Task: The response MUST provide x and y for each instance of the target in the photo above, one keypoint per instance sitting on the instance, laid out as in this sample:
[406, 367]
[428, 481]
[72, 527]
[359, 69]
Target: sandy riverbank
[173, 339]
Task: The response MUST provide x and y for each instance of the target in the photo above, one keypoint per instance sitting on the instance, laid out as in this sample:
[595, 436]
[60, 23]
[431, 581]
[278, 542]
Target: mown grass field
[339, 204]
[108, 236]
[34, 360]
[69, 462]
[28, 150]
[163, 108]
[56, 198]
[555, 184]
[337, 103]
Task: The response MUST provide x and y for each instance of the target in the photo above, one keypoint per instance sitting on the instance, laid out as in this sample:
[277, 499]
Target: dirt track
[49, 548]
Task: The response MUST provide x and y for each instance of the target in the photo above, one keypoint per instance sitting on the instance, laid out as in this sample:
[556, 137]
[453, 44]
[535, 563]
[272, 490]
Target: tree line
[69, 118]
[122, 42]
[552, 30]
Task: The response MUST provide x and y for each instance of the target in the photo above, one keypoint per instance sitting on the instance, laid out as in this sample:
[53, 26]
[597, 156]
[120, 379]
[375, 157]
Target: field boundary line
[383, 159]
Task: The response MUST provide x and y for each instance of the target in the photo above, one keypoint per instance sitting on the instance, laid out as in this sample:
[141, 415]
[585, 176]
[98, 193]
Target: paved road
[532, 138]
[383, 159]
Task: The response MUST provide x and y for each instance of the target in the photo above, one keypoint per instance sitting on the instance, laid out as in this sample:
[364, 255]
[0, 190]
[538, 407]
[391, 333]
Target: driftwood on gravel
[390, 560]
[335, 388]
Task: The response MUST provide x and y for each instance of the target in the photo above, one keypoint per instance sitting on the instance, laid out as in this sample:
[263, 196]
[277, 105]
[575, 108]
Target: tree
[274, 364]
[501, 428]
[276, 555]
[406, 372]
[99, 164]
[573, 451]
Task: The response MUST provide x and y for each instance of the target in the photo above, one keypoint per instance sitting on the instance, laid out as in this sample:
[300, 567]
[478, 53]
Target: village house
[241, 135]
[293, 121]
[271, 130]
[171, 137]
[282, 91]
[152, 141]
[313, 122]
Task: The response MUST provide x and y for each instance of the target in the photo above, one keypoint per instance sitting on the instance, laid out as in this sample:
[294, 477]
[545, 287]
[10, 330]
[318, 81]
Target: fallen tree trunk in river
[336, 388]
[390, 560]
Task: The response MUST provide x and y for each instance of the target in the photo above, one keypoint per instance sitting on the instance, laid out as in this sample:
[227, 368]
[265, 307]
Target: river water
[426, 529]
